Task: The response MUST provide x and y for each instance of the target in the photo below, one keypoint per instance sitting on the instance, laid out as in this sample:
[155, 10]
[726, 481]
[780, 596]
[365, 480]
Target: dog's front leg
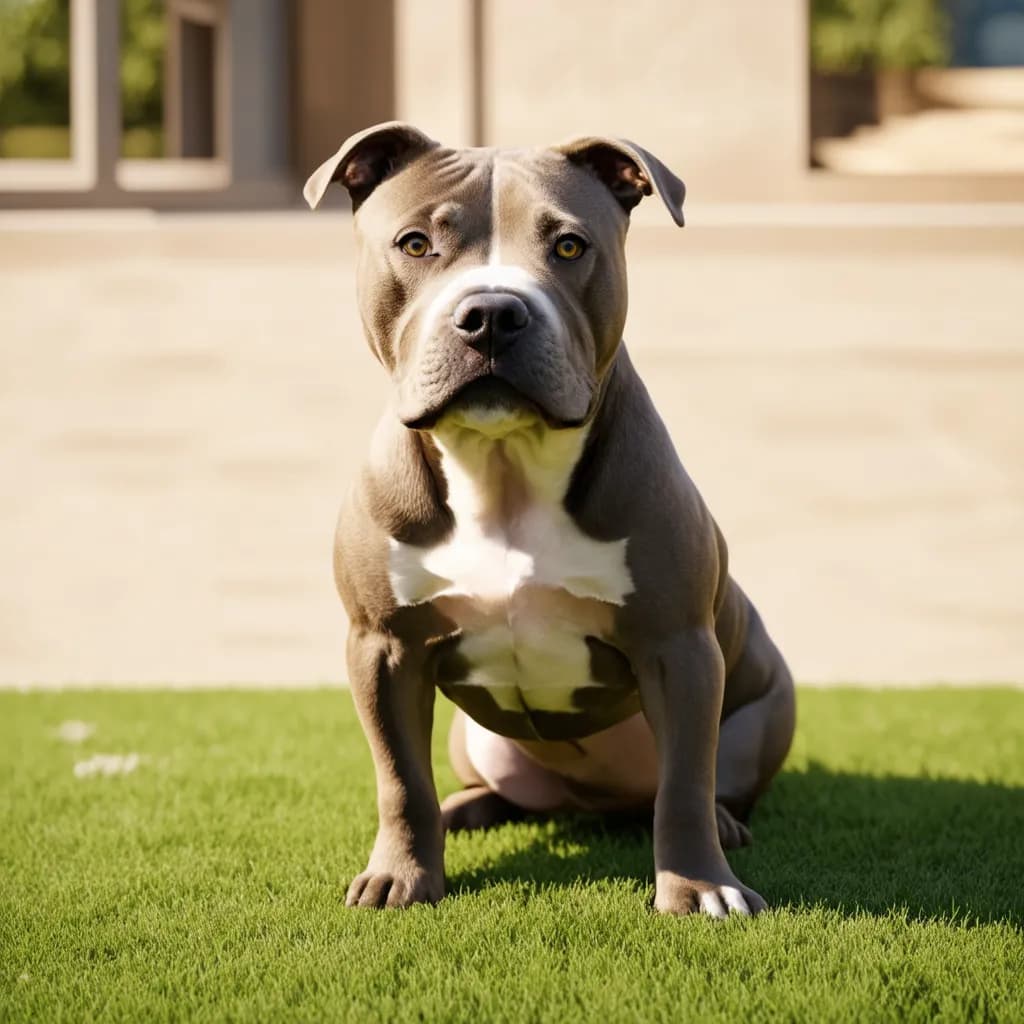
[681, 686]
[395, 702]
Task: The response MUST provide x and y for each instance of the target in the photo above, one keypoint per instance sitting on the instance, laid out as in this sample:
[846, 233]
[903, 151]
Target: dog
[524, 537]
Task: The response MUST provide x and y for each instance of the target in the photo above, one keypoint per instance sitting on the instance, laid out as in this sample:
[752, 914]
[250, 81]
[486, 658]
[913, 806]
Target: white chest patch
[518, 577]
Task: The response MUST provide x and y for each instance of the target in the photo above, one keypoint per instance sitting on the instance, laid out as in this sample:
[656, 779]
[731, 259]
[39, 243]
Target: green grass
[208, 885]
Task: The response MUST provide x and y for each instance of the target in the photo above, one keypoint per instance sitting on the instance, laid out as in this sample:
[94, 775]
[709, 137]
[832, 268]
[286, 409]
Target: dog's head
[492, 282]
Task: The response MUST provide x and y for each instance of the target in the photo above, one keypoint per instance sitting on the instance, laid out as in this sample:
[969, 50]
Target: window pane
[35, 114]
[143, 40]
[168, 55]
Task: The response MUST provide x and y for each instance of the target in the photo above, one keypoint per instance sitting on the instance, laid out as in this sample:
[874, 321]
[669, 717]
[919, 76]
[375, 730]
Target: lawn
[208, 883]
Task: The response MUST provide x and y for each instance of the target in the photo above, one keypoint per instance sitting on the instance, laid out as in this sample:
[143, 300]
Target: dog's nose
[491, 318]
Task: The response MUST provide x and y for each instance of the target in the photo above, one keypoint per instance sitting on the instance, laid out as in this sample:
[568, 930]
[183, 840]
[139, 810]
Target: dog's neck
[496, 468]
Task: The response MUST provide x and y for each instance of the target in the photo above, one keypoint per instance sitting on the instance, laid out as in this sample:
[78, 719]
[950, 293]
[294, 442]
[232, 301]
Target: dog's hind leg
[754, 737]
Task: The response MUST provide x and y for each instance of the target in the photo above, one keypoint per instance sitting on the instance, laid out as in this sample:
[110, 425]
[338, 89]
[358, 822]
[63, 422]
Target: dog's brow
[550, 219]
[422, 212]
[447, 213]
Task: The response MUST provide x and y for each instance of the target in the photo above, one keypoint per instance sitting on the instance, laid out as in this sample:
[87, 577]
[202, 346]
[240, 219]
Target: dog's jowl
[523, 536]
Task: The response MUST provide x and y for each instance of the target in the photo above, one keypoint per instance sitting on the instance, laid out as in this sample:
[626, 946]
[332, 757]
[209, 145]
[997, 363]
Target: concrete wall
[343, 74]
[434, 67]
[719, 91]
[259, 90]
[705, 86]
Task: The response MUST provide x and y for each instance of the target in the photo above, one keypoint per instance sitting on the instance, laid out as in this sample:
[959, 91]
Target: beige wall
[703, 85]
[343, 74]
[718, 90]
[434, 67]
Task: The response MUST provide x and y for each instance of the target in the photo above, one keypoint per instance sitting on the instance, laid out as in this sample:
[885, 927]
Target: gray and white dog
[523, 536]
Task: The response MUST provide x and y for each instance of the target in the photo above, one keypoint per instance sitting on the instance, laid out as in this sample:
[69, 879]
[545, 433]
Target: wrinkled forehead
[544, 192]
[482, 193]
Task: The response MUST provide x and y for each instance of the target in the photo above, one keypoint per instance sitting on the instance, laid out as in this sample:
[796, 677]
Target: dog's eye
[414, 244]
[570, 247]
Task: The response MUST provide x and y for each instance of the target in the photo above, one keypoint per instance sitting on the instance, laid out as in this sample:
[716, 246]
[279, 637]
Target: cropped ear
[629, 171]
[366, 159]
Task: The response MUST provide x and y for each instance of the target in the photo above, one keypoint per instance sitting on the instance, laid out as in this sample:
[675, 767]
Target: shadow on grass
[942, 849]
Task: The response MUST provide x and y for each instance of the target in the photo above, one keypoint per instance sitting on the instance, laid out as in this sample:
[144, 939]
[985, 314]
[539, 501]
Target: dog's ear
[629, 171]
[366, 159]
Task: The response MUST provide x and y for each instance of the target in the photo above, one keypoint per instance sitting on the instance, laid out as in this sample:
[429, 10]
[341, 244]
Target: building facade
[258, 92]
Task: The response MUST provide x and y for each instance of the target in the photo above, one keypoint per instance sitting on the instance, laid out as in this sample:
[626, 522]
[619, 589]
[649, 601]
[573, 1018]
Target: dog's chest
[529, 593]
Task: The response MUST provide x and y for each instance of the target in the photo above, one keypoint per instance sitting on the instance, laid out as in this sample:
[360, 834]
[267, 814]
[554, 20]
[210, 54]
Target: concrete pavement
[184, 399]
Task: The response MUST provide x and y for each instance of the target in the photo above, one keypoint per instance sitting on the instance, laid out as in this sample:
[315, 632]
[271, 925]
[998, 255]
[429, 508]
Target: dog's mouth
[491, 405]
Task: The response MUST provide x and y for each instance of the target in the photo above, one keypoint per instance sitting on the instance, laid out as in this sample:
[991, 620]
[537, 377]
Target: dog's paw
[732, 833]
[476, 808]
[681, 896]
[394, 889]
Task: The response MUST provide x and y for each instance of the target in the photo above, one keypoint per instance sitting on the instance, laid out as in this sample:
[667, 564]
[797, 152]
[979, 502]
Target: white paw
[724, 900]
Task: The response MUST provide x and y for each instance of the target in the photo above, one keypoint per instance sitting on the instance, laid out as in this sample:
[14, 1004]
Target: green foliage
[142, 62]
[853, 35]
[35, 54]
[208, 884]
